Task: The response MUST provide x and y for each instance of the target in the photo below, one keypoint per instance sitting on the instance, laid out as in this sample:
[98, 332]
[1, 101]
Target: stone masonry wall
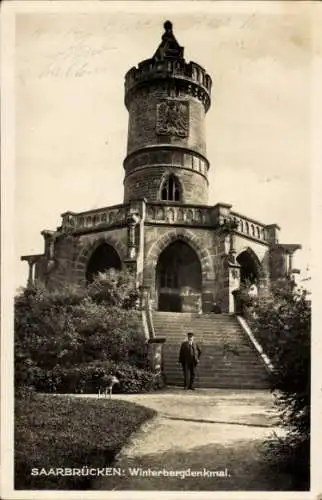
[142, 120]
[72, 253]
[146, 183]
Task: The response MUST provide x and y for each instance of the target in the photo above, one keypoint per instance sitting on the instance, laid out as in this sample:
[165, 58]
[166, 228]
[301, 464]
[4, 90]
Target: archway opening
[178, 279]
[249, 272]
[103, 258]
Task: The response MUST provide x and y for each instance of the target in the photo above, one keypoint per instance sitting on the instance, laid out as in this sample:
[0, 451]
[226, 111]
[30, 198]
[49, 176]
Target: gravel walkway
[203, 440]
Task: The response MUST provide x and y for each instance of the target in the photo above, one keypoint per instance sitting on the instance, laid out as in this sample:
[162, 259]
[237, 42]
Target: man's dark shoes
[191, 388]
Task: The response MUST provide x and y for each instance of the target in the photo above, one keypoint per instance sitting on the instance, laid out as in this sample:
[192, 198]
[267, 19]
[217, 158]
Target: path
[205, 431]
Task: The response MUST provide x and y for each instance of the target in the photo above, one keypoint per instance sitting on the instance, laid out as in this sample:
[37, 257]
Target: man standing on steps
[189, 358]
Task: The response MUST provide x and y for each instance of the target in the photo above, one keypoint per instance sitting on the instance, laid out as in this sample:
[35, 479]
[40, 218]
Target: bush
[116, 288]
[282, 324]
[86, 378]
[59, 431]
[60, 329]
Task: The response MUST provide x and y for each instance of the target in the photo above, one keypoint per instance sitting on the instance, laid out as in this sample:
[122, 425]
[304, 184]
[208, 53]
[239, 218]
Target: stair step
[212, 332]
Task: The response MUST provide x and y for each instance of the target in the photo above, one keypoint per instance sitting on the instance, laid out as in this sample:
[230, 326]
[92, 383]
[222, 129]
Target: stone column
[130, 262]
[146, 297]
[234, 284]
[272, 234]
[290, 263]
[155, 354]
[232, 250]
[50, 238]
[30, 281]
[133, 220]
[281, 260]
[220, 213]
[131, 242]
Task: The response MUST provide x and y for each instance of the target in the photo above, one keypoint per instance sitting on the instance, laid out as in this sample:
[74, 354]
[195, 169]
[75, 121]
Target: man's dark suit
[189, 357]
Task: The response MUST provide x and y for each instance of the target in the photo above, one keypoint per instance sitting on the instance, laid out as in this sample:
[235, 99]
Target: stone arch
[87, 251]
[178, 278]
[251, 266]
[187, 236]
[103, 258]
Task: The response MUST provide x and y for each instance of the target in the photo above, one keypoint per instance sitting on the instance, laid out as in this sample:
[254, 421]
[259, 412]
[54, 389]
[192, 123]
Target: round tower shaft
[167, 99]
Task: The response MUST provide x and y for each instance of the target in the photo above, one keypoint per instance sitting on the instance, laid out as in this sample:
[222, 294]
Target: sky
[71, 122]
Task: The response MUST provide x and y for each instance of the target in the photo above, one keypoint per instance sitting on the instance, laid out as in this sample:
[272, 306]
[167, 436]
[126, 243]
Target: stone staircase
[228, 359]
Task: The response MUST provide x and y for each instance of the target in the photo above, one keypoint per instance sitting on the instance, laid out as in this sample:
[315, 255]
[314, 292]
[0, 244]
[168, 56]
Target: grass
[61, 431]
[245, 460]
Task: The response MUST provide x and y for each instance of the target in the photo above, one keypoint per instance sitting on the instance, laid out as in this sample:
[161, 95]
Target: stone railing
[163, 213]
[178, 214]
[249, 227]
[246, 328]
[94, 218]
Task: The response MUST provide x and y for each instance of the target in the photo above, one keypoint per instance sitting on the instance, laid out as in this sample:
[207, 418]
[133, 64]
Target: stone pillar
[232, 249]
[50, 238]
[281, 260]
[130, 262]
[272, 234]
[68, 221]
[220, 213]
[155, 354]
[290, 263]
[32, 275]
[234, 284]
[222, 296]
[277, 263]
[30, 281]
[137, 209]
[131, 242]
[146, 307]
[133, 220]
[144, 297]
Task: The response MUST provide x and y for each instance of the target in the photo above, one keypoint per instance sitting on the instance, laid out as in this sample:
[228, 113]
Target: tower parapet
[190, 77]
[167, 99]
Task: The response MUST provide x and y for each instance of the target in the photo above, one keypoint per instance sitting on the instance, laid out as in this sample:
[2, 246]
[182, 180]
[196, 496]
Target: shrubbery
[282, 324]
[85, 378]
[65, 339]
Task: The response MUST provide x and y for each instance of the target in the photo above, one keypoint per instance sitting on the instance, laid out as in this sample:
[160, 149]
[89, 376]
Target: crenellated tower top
[168, 62]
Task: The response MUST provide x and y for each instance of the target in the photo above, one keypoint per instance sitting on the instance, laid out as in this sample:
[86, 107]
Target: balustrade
[249, 227]
[178, 214]
[95, 218]
[160, 213]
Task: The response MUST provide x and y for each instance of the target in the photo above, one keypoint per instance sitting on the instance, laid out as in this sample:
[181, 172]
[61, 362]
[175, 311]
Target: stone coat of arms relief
[173, 118]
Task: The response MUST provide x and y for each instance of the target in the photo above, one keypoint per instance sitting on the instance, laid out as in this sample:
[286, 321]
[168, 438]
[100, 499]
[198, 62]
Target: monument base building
[188, 257]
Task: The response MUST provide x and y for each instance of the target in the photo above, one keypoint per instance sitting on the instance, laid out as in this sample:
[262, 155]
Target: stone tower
[186, 254]
[167, 99]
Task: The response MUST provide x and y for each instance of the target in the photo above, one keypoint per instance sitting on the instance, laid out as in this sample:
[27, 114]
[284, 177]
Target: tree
[282, 324]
